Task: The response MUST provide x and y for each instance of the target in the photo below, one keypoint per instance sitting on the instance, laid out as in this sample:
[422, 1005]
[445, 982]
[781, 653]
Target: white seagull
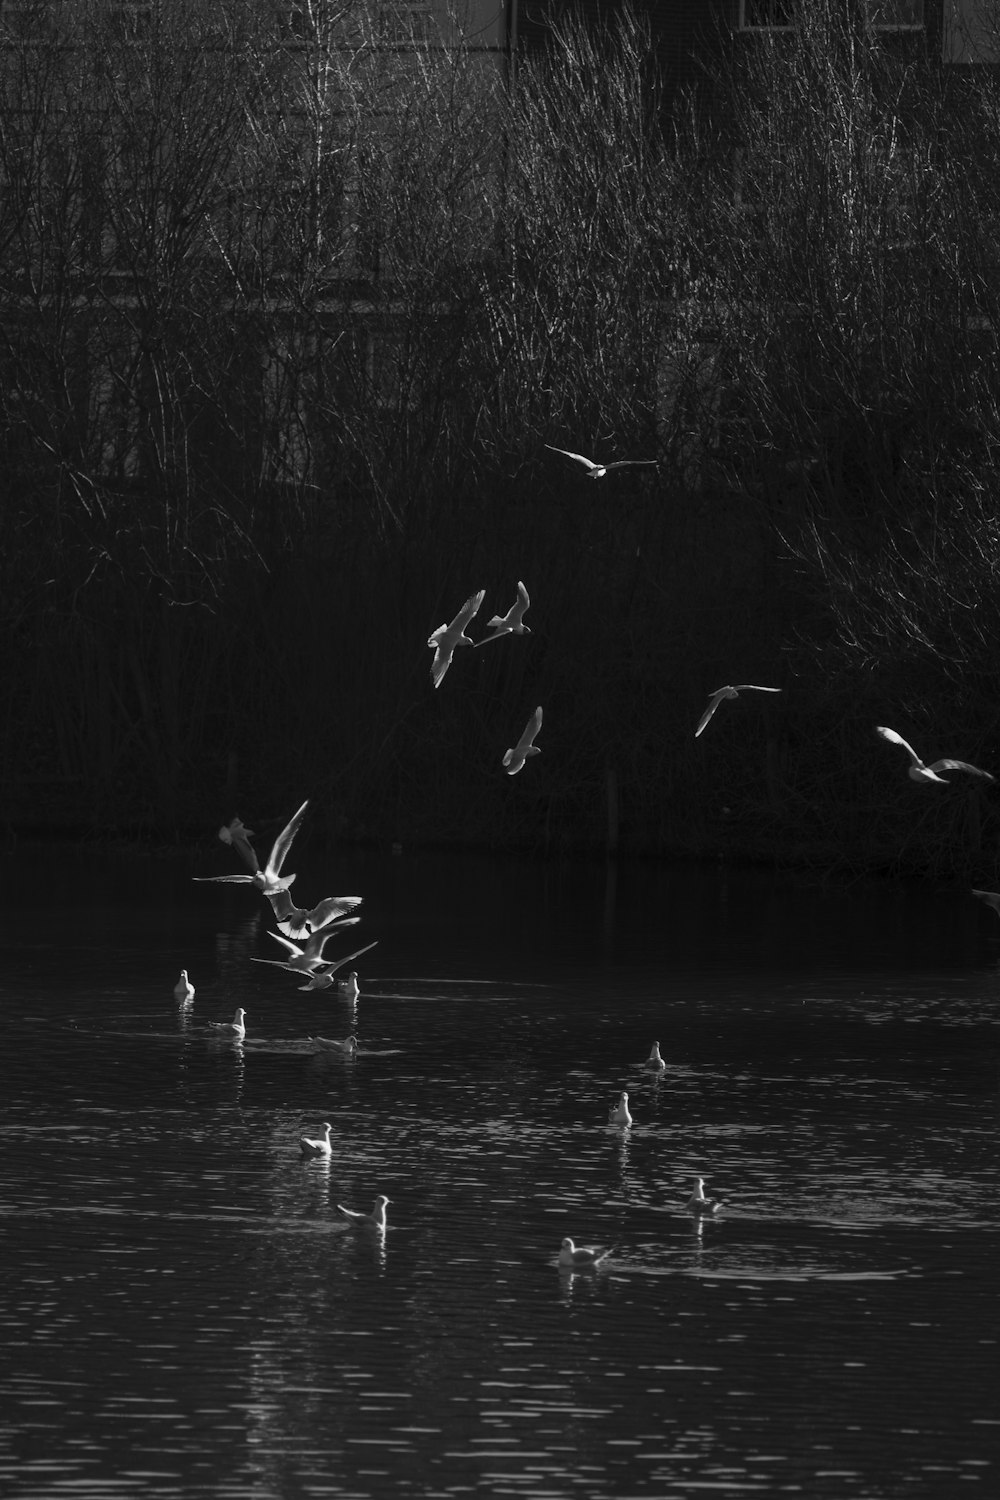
[321, 1147]
[184, 989]
[992, 898]
[512, 623]
[716, 698]
[348, 988]
[698, 1203]
[921, 772]
[347, 1048]
[515, 758]
[236, 1028]
[573, 1258]
[598, 471]
[618, 1113]
[295, 922]
[654, 1062]
[323, 977]
[447, 638]
[270, 878]
[374, 1220]
[310, 956]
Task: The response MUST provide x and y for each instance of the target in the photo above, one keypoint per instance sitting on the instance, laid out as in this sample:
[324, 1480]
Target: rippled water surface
[184, 1312]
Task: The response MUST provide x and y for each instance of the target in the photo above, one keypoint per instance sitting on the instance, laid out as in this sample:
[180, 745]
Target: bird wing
[754, 687]
[283, 843]
[631, 463]
[317, 940]
[469, 609]
[958, 765]
[225, 879]
[238, 837]
[897, 739]
[992, 898]
[588, 463]
[440, 664]
[532, 727]
[327, 970]
[713, 702]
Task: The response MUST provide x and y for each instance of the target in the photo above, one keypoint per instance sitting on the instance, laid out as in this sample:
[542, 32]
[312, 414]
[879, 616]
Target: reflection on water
[183, 1311]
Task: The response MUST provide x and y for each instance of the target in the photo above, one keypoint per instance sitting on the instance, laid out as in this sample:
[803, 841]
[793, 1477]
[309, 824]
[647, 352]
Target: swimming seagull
[310, 956]
[270, 878]
[714, 699]
[654, 1062]
[572, 1258]
[598, 471]
[512, 623]
[447, 638]
[236, 1028]
[348, 1047]
[321, 978]
[698, 1203]
[921, 772]
[319, 1147]
[348, 988]
[618, 1113]
[992, 898]
[374, 1220]
[184, 989]
[515, 758]
[295, 922]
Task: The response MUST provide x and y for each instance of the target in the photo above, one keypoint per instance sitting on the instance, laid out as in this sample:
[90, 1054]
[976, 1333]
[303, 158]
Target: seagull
[310, 956]
[515, 758]
[698, 1203]
[992, 898]
[348, 1047]
[512, 623]
[921, 772]
[320, 978]
[234, 1028]
[295, 922]
[348, 988]
[238, 835]
[618, 1113]
[654, 1062]
[598, 471]
[374, 1220]
[583, 1259]
[270, 878]
[447, 638]
[316, 1148]
[184, 989]
[714, 699]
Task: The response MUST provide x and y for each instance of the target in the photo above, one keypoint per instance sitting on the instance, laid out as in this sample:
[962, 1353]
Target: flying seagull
[374, 1220]
[698, 1203]
[515, 758]
[992, 898]
[447, 638]
[512, 623]
[921, 772]
[295, 922]
[270, 878]
[323, 977]
[310, 956]
[598, 471]
[716, 698]
[320, 1147]
[573, 1258]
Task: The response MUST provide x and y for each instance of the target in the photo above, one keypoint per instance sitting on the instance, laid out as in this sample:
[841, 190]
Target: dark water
[183, 1312]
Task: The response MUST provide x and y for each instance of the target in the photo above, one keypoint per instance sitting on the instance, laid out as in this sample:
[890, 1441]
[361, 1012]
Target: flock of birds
[304, 932]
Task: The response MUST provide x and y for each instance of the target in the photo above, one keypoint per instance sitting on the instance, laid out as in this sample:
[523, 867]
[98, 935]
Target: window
[780, 15]
[897, 15]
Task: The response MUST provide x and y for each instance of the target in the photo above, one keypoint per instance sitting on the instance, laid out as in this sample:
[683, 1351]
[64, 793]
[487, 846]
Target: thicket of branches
[290, 310]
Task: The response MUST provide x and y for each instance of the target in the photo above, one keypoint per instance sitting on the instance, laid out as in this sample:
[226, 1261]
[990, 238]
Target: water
[183, 1312]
